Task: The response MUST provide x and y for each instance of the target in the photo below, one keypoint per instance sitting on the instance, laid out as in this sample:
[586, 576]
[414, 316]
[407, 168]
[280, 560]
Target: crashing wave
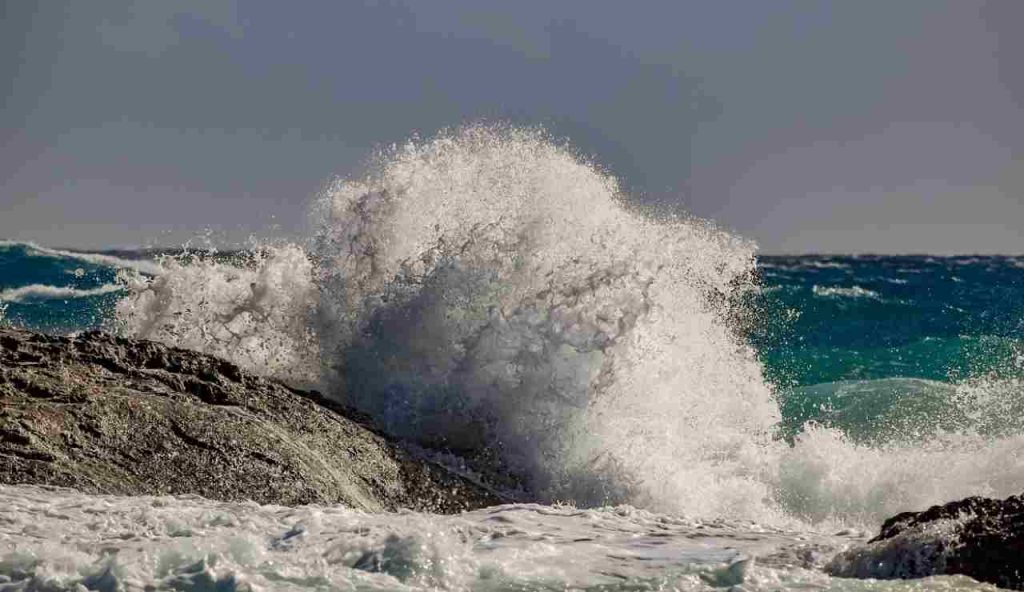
[489, 292]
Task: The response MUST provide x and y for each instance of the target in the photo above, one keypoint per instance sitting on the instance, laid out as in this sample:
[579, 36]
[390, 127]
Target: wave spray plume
[489, 291]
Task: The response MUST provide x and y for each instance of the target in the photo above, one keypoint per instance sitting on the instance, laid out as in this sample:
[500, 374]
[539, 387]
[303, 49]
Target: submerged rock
[103, 414]
[978, 537]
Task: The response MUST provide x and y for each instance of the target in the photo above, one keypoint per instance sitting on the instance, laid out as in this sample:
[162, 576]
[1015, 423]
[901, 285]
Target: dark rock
[978, 537]
[103, 414]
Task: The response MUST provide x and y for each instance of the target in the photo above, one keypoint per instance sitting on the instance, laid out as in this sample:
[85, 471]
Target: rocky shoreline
[102, 414]
[979, 537]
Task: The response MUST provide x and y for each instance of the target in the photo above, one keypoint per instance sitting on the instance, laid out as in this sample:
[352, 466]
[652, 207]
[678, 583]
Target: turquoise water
[860, 343]
[862, 318]
[878, 343]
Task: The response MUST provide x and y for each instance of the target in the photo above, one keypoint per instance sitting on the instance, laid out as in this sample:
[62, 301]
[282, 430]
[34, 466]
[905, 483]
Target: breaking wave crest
[489, 292]
[45, 292]
[841, 292]
[139, 265]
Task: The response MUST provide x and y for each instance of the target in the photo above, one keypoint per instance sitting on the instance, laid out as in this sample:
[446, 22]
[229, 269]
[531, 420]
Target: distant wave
[841, 292]
[44, 292]
[825, 264]
[141, 265]
[805, 265]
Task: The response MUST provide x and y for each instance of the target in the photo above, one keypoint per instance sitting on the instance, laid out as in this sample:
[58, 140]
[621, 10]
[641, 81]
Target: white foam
[53, 539]
[45, 292]
[827, 479]
[845, 292]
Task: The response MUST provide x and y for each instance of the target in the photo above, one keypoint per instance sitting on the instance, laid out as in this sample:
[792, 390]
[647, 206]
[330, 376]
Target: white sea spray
[259, 315]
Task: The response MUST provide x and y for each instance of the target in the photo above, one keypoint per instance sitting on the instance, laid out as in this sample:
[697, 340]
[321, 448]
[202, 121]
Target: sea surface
[673, 410]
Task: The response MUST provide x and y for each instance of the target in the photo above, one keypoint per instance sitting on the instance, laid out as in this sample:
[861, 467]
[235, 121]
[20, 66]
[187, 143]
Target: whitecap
[45, 292]
[845, 292]
[140, 265]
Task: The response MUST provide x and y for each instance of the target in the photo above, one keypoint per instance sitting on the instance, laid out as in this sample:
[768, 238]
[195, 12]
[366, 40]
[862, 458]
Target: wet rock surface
[978, 537]
[103, 414]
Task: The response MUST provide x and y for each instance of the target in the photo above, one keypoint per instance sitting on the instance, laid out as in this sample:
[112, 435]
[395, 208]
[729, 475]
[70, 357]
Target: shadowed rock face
[978, 537]
[107, 415]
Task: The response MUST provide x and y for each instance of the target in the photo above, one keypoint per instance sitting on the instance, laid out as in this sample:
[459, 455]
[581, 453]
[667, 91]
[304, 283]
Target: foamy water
[53, 539]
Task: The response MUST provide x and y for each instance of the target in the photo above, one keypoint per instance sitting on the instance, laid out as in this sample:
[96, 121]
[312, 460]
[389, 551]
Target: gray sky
[846, 126]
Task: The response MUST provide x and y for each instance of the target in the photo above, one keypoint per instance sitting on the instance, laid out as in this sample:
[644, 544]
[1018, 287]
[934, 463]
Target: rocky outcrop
[978, 537]
[107, 415]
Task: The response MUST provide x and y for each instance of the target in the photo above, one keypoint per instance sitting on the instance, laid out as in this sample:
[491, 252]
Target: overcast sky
[847, 126]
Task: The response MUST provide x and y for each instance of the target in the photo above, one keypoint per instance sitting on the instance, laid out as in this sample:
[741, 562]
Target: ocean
[673, 410]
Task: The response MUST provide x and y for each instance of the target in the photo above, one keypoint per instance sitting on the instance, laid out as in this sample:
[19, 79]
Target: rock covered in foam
[108, 415]
[979, 537]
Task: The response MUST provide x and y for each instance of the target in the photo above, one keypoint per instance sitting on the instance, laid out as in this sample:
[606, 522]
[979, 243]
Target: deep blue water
[33, 271]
